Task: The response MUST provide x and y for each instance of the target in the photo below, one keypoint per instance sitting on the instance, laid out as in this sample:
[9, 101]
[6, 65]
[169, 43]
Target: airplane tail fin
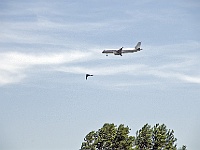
[138, 45]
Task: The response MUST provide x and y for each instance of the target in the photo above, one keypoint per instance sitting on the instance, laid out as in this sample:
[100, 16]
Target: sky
[47, 47]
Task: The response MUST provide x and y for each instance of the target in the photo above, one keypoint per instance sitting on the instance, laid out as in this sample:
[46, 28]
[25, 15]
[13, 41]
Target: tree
[183, 148]
[156, 138]
[144, 137]
[109, 137]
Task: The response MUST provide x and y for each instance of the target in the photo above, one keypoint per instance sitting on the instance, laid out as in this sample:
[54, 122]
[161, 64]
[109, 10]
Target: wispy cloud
[183, 68]
[102, 70]
[49, 26]
[136, 70]
[175, 76]
[13, 65]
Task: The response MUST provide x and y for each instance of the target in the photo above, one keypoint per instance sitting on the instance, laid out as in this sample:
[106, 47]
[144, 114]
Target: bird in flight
[87, 75]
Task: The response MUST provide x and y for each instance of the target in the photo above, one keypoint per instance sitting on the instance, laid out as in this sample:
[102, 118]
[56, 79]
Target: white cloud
[174, 75]
[189, 79]
[102, 70]
[7, 77]
[13, 65]
[170, 72]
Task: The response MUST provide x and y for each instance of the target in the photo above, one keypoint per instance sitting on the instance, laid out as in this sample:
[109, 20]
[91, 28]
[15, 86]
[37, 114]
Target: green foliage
[183, 148]
[156, 138]
[144, 137]
[109, 137]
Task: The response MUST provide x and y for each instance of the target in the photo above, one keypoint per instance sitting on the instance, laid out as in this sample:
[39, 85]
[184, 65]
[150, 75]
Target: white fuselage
[123, 50]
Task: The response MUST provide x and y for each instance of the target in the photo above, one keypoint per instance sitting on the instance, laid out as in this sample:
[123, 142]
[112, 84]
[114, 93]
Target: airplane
[87, 75]
[121, 50]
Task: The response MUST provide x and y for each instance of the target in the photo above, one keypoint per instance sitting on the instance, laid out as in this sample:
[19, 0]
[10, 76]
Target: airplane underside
[118, 53]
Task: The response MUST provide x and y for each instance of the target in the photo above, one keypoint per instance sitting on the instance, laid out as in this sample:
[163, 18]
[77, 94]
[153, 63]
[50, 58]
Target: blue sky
[47, 47]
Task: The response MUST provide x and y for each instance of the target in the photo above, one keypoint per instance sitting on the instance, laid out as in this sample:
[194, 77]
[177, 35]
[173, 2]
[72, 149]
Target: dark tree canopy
[144, 137]
[155, 138]
[111, 137]
[183, 148]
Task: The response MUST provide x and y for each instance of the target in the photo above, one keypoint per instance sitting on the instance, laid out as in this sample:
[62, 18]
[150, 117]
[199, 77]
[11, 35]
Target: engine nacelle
[116, 53]
[139, 49]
